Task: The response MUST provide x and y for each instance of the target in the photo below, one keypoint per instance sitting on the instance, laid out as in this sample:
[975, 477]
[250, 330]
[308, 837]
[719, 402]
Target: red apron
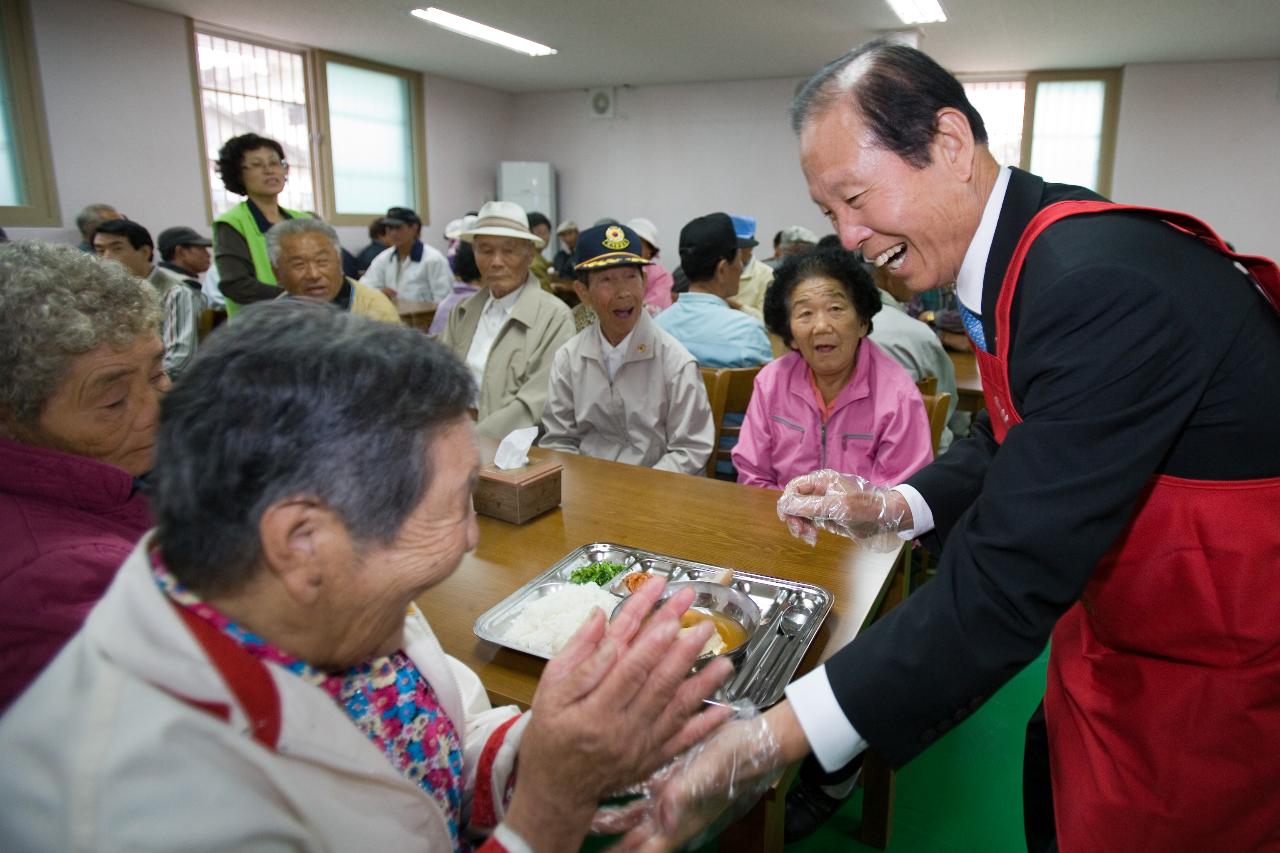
[1163, 692]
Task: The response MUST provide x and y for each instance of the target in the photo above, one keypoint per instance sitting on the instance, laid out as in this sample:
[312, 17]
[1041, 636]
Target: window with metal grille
[251, 88]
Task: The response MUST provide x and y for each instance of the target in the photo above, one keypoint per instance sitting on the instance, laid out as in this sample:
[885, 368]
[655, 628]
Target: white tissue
[513, 452]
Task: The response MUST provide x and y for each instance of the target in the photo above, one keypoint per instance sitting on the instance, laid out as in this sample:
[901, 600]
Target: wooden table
[416, 314]
[968, 383]
[696, 518]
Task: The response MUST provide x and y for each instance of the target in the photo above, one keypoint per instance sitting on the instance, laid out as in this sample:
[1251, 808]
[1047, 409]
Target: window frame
[31, 130]
[324, 157]
[1111, 80]
[315, 80]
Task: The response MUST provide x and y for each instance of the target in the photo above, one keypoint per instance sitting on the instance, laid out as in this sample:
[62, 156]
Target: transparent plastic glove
[703, 790]
[845, 505]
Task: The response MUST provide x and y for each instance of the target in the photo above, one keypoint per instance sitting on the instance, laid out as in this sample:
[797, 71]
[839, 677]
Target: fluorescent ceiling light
[918, 11]
[483, 32]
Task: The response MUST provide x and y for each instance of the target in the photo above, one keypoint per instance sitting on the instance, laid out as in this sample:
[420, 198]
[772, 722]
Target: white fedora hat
[501, 219]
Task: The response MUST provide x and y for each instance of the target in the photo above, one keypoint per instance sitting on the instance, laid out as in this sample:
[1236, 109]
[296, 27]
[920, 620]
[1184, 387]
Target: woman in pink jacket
[837, 400]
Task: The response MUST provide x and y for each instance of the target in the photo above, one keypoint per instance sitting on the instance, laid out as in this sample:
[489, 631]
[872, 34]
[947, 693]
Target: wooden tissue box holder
[519, 494]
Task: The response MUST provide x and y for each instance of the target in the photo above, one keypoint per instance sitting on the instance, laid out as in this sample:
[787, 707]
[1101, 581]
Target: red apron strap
[1263, 271]
[246, 677]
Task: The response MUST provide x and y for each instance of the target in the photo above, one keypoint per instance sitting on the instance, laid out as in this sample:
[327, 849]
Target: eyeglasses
[265, 165]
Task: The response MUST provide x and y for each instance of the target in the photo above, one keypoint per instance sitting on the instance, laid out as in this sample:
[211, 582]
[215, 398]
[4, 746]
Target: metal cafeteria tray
[790, 613]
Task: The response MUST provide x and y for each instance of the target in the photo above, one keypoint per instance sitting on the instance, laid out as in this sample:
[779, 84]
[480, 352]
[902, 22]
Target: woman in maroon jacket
[79, 395]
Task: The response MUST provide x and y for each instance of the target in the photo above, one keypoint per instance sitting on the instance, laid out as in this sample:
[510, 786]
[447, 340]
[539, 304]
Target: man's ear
[721, 266]
[302, 543]
[953, 143]
[580, 289]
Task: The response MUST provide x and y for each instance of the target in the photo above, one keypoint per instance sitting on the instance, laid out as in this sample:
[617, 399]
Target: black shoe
[808, 808]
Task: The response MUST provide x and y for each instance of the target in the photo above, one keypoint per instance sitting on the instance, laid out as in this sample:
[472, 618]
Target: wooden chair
[779, 348]
[729, 389]
[210, 319]
[740, 382]
[918, 562]
[717, 382]
[928, 385]
[935, 406]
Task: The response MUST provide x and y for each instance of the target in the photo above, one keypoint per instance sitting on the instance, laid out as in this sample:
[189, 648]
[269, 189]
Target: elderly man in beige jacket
[508, 332]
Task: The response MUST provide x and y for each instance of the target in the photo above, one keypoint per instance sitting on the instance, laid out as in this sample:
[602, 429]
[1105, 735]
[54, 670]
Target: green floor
[964, 793]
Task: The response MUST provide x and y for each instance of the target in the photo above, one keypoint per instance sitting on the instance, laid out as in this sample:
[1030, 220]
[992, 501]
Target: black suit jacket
[1135, 351]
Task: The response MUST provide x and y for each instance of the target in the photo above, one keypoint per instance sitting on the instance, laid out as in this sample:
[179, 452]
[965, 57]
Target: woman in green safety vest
[255, 167]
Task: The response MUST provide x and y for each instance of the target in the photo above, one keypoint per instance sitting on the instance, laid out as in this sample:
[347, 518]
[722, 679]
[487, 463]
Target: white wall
[466, 129]
[672, 153]
[1204, 137]
[122, 123]
[117, 85]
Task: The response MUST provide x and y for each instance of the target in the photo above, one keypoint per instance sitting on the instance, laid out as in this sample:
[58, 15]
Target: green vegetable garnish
[597, 573]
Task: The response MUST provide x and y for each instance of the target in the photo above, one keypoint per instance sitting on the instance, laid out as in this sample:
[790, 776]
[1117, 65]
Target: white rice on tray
[546, 624]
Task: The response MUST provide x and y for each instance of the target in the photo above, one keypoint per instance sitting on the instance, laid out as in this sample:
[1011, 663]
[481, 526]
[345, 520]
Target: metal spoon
[792, 626]
[758, 646]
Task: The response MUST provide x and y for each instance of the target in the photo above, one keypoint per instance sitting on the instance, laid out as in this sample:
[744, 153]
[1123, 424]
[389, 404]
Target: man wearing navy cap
[410, 269]
[623, 389]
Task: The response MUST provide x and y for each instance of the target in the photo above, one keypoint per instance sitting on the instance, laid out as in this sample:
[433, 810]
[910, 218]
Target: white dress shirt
[613, 355]
[423, 274]
[969, 291]
[834, 740]
[492, 319]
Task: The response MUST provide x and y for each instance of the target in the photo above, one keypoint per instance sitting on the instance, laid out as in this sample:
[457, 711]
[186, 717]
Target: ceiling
[610, 42]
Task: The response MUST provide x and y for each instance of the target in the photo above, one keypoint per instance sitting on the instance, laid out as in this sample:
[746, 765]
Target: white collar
[609, 349]
[974, 268]
[503, 305]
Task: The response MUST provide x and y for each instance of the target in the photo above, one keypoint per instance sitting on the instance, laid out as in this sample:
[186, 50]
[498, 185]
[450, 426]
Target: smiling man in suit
[1119, 498]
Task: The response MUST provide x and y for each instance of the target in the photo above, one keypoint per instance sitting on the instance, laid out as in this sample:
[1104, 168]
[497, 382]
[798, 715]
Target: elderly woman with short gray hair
[259, 668]
[306, 256]
[79, 395]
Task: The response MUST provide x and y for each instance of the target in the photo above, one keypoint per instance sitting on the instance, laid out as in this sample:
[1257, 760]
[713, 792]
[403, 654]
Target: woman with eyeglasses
[252, 166]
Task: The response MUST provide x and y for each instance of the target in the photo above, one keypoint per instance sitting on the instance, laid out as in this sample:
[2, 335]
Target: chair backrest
[210, 319]
[739, 382]
[717, 382]
[779, 348]
[927, 385]
[935, 406]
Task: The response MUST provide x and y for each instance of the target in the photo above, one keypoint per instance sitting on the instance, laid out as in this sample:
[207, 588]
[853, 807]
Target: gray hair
[91, 216]
[57, 302]
[292, 227]
[898, 91]
[296, 398]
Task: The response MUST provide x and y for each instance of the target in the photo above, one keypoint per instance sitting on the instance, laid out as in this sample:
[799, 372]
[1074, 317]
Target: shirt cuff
[834, 740]
[510, 839]
[921, 515]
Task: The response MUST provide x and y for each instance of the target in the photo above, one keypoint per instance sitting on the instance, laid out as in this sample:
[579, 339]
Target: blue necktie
[973, 325]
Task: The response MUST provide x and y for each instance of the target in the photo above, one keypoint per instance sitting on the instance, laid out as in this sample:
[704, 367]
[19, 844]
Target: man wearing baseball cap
[756, 277]
[623, 389]
[716, 334]
[562, 263]
[509, 330]
[409, 269]
[185, 253]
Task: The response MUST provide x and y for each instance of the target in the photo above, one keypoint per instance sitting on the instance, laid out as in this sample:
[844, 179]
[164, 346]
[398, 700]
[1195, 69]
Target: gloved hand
[846, 505]
[703, 790]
